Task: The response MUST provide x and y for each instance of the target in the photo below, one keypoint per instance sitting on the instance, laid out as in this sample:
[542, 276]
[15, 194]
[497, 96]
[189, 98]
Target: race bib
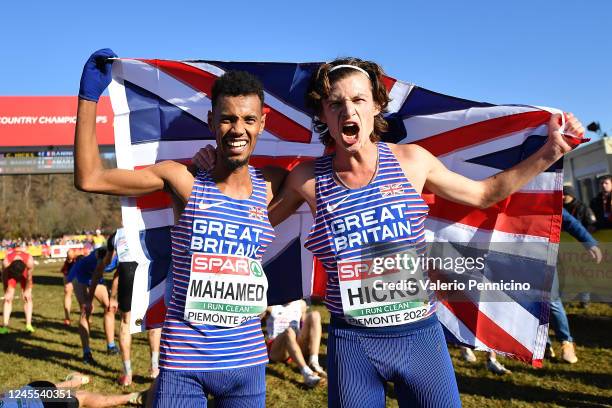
[283, 317]
[383, 291]
[225, 290]
[282, 323]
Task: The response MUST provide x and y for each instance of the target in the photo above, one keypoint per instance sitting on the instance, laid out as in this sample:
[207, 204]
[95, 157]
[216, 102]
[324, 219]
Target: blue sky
[555, 53]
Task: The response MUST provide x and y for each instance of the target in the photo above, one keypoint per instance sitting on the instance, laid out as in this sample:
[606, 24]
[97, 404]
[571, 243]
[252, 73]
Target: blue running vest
[213, 223]
[379, 220]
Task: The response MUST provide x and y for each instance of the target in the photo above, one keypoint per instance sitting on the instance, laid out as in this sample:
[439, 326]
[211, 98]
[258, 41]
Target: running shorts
[126, 272]
[232, 388]
[413, 356]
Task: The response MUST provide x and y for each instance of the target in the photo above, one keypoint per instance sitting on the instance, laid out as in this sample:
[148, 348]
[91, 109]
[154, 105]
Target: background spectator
[602, 203]
[578, 209]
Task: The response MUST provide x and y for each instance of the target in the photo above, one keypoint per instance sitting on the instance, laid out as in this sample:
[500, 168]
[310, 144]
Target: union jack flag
[161, 111]
[391, 190]
[257, 213]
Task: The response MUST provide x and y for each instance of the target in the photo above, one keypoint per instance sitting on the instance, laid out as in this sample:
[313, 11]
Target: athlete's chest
[374, 215]
[221, 225]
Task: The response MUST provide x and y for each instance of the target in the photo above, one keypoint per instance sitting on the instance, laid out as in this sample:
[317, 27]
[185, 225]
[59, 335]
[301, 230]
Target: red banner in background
[48, 121]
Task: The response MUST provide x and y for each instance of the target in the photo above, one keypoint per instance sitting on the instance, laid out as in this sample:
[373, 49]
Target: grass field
[54, 350]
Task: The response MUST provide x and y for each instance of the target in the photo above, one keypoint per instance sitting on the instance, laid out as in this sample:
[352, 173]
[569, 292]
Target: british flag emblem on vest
[256, 213]
[391, 190]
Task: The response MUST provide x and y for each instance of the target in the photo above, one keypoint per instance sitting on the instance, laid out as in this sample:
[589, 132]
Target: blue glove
[96, 74]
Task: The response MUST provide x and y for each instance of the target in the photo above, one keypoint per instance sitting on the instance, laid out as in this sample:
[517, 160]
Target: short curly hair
[320, 85]
[237, 83]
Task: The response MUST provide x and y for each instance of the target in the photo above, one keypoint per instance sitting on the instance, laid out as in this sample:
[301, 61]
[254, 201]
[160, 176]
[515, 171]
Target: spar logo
[225, 264]
[221, 264]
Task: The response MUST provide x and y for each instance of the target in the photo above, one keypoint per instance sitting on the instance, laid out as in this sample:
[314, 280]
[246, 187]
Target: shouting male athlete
[212, 342]
[367, 196]
[349, 98]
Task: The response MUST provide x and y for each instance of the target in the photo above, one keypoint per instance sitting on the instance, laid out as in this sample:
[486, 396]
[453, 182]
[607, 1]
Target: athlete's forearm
[502, 185]
[283, 206]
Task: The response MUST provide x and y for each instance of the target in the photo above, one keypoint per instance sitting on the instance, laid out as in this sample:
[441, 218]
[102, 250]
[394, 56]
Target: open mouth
[235, 146]
[349, 133]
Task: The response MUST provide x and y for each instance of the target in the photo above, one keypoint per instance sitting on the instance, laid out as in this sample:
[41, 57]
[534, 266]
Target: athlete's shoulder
[171, 171]
[410, 152]
[273, 173]
[170, 165]
[177, 176]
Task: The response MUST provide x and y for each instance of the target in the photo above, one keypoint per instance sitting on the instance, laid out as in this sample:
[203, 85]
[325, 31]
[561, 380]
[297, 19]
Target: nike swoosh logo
[203, 206]
[331, 207]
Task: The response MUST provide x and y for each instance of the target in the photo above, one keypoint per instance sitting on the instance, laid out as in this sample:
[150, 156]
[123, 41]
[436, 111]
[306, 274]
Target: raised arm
[484, 193]
[89, 172]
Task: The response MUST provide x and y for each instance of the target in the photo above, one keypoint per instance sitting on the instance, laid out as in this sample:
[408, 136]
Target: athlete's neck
[234, 183]
[356, 169]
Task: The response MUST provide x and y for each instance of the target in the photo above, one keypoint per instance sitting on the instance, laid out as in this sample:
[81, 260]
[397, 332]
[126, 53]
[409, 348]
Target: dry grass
[54, 351]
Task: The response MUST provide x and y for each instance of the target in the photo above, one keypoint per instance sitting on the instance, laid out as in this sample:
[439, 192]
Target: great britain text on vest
[370, 226]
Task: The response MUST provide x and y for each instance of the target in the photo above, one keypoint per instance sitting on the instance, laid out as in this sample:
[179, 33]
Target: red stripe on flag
[484, 328]
[319, 280]
[480, 132]
[521, 213]
[285, 128]
[487, 331]
[277, 123]
[155, 314]
[286, 162]
[154, 201]
[389, 82]
[429, 198]
[190, 75]
[555, 227]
